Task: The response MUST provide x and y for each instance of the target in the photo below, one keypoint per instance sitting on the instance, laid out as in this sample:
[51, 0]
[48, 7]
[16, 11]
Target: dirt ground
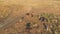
[21, 7]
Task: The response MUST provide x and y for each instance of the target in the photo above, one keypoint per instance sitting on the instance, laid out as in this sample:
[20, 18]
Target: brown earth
[23, 7]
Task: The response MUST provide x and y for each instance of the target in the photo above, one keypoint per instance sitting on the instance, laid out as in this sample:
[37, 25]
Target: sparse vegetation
[52, 24]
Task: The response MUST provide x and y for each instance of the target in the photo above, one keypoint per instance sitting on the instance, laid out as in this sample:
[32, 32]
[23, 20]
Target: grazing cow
[43, 19]
[28, 26]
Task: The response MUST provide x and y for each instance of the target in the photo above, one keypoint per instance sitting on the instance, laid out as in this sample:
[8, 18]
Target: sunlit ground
[49, 9]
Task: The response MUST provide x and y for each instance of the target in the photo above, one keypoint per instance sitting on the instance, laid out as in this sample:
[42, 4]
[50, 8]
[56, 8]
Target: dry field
[15, 14]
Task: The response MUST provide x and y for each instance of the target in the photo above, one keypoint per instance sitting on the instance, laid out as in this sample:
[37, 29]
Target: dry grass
[48, 9]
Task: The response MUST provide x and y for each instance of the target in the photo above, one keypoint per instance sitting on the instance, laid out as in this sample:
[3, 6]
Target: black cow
[43, 19]
[28, 25]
